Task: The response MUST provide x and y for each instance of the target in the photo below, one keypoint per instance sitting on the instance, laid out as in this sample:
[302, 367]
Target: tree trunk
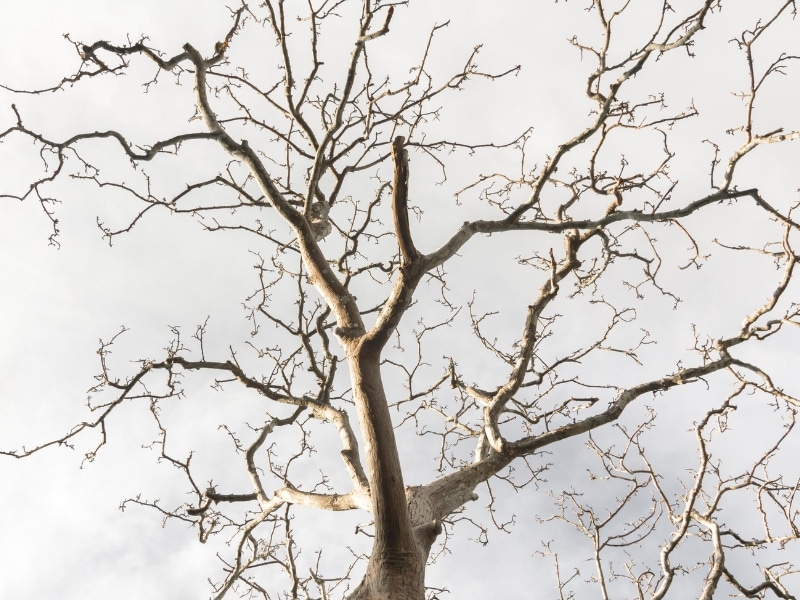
[392, 576]
[396, 567]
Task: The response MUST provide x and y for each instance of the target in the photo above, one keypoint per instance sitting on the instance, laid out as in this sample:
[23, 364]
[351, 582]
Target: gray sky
[63, 535]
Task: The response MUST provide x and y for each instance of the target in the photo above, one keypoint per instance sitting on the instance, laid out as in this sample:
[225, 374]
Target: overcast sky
[63, 535]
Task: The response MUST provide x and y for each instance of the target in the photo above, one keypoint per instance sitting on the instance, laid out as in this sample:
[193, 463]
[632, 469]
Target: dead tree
[361, 303]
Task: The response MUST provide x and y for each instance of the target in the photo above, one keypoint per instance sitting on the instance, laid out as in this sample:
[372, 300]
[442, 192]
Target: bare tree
[370, 316]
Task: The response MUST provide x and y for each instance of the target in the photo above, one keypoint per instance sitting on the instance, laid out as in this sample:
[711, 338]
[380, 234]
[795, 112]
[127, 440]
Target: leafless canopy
[375, 313]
